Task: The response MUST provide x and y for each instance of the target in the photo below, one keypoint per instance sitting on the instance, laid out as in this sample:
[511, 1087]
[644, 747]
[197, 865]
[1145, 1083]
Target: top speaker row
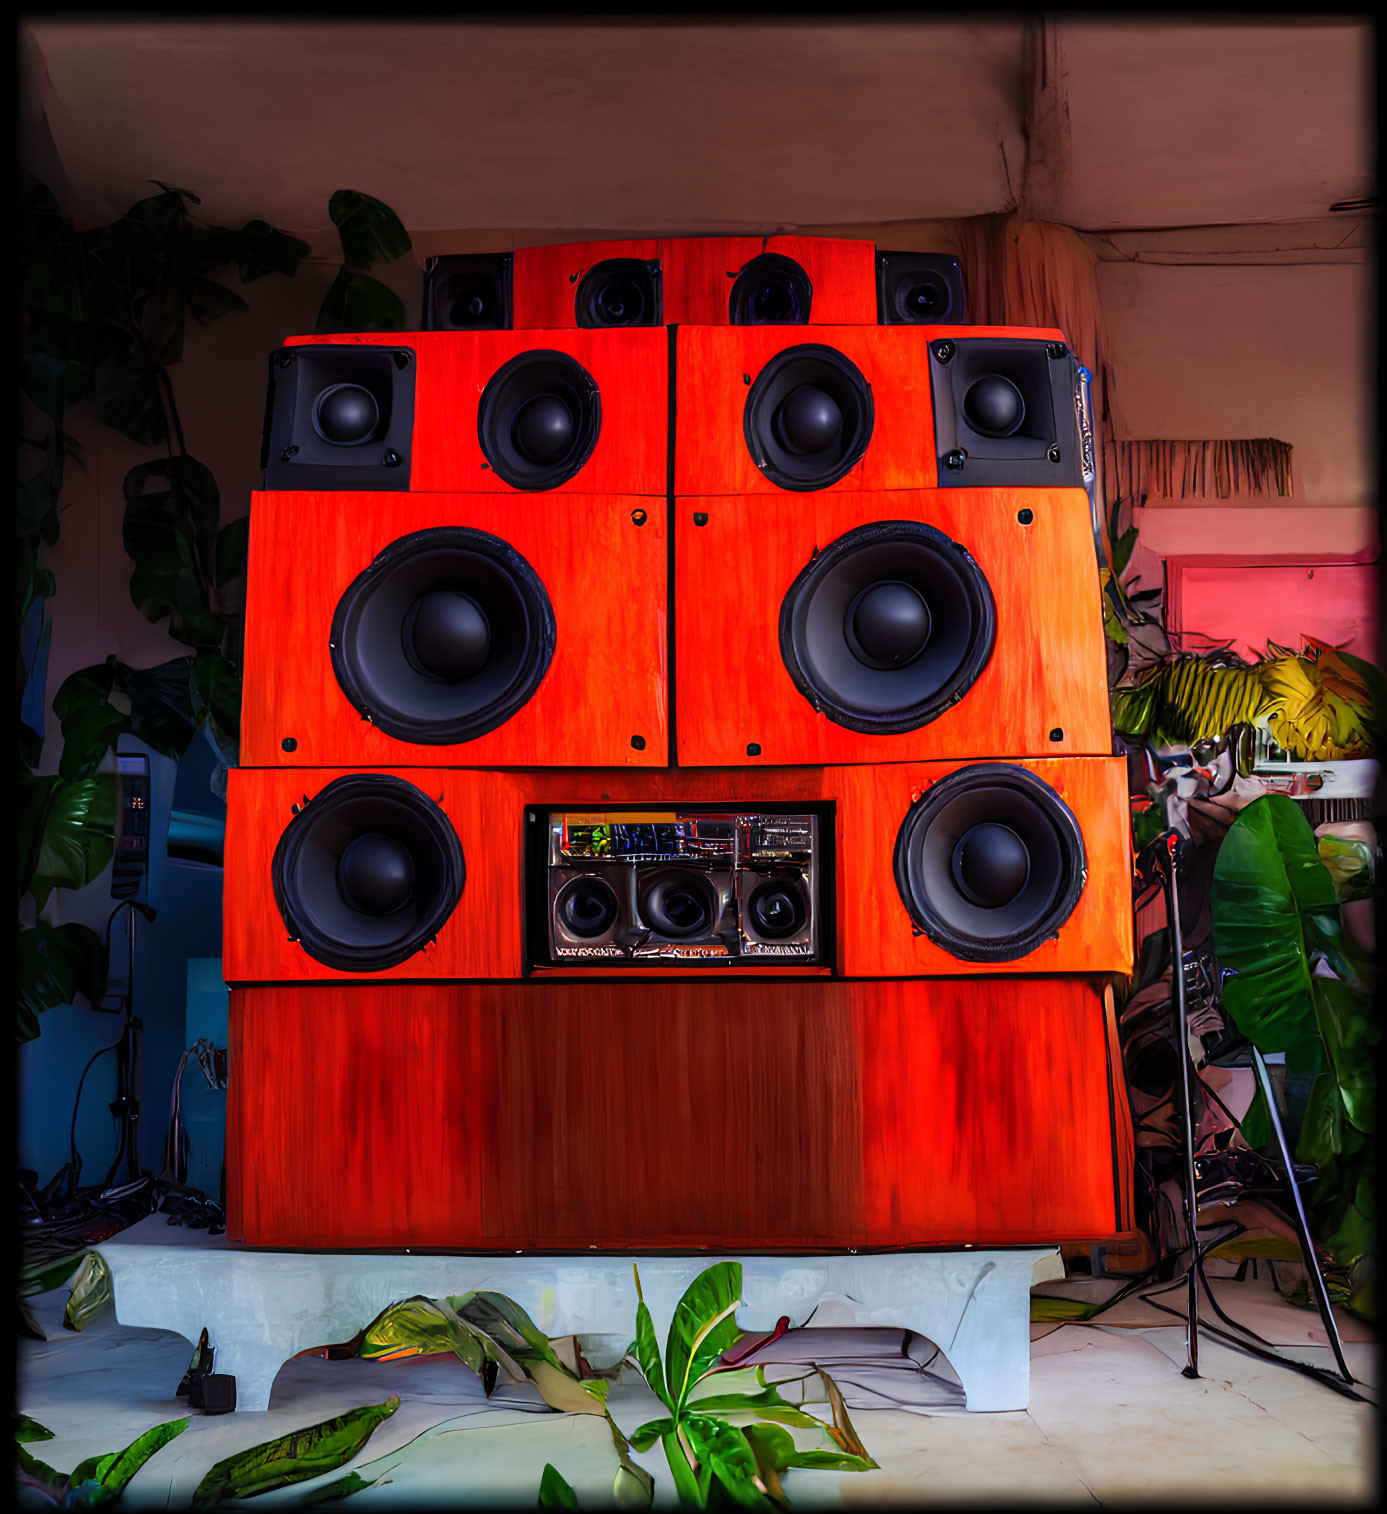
[693, 281]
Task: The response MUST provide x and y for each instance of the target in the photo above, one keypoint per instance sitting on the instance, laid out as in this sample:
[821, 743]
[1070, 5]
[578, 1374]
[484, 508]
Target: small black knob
[639, 517]
[753, 748]
[1025, 517]
[392, 459]
[1057, 734]
[289, 744]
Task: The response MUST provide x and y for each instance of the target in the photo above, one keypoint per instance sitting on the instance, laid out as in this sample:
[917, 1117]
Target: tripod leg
[1177, 980]
[1302, 1224]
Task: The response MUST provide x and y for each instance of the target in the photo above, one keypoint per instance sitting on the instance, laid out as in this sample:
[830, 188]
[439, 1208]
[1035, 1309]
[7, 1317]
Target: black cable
[76, 1104]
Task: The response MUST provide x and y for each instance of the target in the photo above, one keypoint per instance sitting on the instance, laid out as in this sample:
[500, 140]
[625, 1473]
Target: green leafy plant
[712, 1460]
[1300, 987]
[95, 1483]
[370, 233]
[1133, 629]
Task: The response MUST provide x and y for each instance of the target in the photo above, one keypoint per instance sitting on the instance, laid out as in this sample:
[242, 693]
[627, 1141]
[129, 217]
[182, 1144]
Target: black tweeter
[771, 290]
[619, 292]
[920, 289]
[468, 292]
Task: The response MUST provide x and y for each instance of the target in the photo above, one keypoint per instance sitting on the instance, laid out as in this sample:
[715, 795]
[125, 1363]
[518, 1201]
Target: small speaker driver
[771, 290]
[539, 419]
[619, 292]
[808, 417]
[990, 862]
[679, 902]
[367, 873]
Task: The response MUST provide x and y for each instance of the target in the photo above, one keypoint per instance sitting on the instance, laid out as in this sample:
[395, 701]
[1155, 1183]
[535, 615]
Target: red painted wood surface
[1048, 669]
[699, 273]
[544, 280]
[749, 1116]
[606, 579]
[875, 935]
[630, 368]
[714, 368]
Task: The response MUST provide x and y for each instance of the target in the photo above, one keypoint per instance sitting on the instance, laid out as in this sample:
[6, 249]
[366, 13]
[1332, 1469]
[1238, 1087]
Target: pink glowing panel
[1250, 604]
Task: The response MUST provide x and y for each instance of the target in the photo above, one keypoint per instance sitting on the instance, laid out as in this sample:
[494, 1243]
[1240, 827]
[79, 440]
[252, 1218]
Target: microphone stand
[126, 1107]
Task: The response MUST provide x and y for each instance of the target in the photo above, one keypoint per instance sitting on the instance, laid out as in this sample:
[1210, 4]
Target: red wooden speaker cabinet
[823, 1115]
[428, 629]
[699, 281]
[479, 412]
[880, 627]
[848, 409]
[938, 869]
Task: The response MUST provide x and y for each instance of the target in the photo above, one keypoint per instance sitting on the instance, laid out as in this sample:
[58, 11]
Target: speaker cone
[468, 292]
[777, 909]
[887, 627]
[346, 415]
[586, 908]
[919, 289]
[367, 873]
[679, 902]
[771, 290]
[538, 420]
[990, 862]
[808, 417]
[444, 637]
[619, 292]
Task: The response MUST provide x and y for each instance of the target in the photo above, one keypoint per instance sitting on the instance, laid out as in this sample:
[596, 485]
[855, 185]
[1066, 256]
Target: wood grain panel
[699, 273]
[606, 579]
[715, 367]
[876, 935]
[630, 368]
[1048, 669]
[545, 279]
[731, 1117]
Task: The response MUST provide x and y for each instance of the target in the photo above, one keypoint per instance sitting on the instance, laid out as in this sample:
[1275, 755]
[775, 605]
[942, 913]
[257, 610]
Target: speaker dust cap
[539, 419]
[808, 417]
[887, 627]
[367, 873]
[443, 637]
[990, 862]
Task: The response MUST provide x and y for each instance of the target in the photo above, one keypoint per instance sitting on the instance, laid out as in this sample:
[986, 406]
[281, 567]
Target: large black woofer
[444, 637]
[808, 417]
[990, 862]
[887, 627]
[679, 902]
[367, 873]
[771, 290]
[538, 420]
[619, 292]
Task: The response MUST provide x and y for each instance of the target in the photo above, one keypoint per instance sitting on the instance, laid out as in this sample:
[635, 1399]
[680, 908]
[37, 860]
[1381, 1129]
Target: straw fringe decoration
[1200, 470]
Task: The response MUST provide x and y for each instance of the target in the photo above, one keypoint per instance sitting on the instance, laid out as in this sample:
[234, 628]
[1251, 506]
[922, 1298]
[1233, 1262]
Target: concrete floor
[1111, 1420]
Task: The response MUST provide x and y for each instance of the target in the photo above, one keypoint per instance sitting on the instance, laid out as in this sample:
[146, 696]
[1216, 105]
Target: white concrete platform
[260, 1308]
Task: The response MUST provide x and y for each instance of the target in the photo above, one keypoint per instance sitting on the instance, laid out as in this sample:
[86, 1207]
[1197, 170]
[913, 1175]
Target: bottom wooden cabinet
[678, 1115]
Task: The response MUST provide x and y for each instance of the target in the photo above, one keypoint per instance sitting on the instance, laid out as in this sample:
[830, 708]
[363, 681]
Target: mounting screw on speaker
[753, 748]
[284, 359]
[944, 351]
[1053, 454]
[700, 518]
[392, 459]
[1057, 350]
[288, 452]
[639, 517]
[289, 744]
[955, 459]
[1025, 517]
[638, 742]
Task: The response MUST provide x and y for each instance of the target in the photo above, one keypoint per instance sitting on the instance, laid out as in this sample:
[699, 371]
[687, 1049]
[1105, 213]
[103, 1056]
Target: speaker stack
[615, 628]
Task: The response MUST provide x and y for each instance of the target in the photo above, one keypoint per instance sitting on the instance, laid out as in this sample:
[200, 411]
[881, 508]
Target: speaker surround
[990, 862]
[367, 872]
[808, 417]
[444, 636]
[619, 292]
[468, 292]
[539, 419]
[771, 290]
[887, 627]
[920, 289]
[339, 417]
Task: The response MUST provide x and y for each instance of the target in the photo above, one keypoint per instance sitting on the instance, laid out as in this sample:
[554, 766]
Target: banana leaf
[91, 1292]
[647, 1349]
[1273, 905]
[554, 1492]
[703, 1327]
[723, 1452]
[292, 1458]
[26, 1429]
[112, 1473]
